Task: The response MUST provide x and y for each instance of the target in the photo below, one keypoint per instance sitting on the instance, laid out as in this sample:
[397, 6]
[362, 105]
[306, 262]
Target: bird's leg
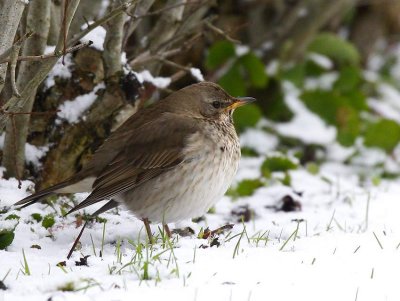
[167, 230]
[148, 230]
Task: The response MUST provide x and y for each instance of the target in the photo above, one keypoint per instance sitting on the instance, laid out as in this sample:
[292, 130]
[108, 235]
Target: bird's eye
[216, 104]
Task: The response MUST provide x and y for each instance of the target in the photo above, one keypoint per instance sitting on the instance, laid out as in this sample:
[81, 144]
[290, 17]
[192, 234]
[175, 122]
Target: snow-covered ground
[342, 245]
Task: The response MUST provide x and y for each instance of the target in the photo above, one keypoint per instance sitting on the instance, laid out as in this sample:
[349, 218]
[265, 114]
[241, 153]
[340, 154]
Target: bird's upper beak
[240, 101]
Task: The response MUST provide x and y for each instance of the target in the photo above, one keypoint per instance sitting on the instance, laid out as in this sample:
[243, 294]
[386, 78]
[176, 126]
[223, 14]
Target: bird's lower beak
[240, 101]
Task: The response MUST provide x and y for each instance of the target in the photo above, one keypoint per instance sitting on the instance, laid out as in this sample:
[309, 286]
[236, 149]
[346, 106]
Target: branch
[164, 9]
[222, 33]
[7, 52]
[146, 56]
[10, 16]
[13, 65]
[119, 10]
[51, 55]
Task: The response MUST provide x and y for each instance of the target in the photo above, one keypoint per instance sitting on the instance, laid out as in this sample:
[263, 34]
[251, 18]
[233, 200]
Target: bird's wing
[148, 151]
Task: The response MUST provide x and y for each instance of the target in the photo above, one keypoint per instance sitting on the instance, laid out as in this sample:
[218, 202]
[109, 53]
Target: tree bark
[38, 21]
[10, 16]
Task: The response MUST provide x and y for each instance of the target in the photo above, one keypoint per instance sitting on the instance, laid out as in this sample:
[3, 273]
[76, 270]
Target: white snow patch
[241, 50]
[321, 60]
[159, 82]
[72, 110]
[305, 125]
[59, 70]
[97, 36]
[196, 73]
[258, 140]
[33, 153]
[272, 68]
[323, 82]
[390, 95]
[384, 109]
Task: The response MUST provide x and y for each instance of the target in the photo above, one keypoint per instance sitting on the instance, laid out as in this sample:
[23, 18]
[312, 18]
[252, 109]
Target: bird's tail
[71, 185]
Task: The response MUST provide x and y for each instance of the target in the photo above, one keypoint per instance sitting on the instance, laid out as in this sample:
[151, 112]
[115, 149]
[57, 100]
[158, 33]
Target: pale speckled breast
[191, 188]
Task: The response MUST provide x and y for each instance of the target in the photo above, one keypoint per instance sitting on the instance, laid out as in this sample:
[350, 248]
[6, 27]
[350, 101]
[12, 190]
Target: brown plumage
[170, 161]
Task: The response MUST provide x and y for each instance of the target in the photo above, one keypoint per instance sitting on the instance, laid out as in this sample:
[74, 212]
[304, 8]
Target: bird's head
[208, 100]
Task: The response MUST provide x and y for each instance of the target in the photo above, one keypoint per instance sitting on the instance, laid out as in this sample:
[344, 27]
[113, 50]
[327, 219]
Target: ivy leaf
[384, 134]
[246, 116]
[277, 163]
[255, 69]
[232, 81]
[6, 238]
[339, 50]
[48, 221]
[219, 53]
[245, 188]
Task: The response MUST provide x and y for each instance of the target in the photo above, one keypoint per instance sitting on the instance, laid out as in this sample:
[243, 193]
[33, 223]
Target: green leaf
[255, 69]
[295, 74]
[246, 116]
[349, 79]
[384, 134]
[37, 217]
[348, 124]
[248, 152]
[339, 50]
[232, 81]
[245, 188]
[12, 216]
[48, 221]
[323, 103]
[338, 110]
[312, 168]
[6, 238]
[219, 53]
[277, 163]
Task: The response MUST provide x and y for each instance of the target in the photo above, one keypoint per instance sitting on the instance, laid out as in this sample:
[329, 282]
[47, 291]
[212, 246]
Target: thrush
[168, 162]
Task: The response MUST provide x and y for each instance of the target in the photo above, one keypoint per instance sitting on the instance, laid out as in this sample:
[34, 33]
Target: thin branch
[222, 33]
[19, 42]
[161, 10]
[147, 56]
[119, 10]
[173, 64]
[13, 66]
[52, 54]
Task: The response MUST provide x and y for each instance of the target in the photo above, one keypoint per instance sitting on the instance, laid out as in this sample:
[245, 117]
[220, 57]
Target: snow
[33, 153]
[159, 82]
[324, 82]
[97, 36]
[334, 256]
[305, 125]
[260, 141]
[321, 60]
[241, 50]
[196, 73]
[59, 70]
[72, 110]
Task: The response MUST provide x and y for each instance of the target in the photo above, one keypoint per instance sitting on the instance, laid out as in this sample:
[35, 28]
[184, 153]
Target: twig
[119, 10]
[76, 241]
[19, 42]
[222, 33]
[66, 3]
[173, 64]
[161, 10]
[13, 66]
[14, 130]
[51, 55]
[147, 56]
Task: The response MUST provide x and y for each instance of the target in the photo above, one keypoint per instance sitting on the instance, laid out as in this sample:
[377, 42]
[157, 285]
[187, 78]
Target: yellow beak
[240, 101]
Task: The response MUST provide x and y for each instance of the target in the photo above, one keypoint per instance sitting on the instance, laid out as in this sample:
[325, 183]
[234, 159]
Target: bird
[171, 161]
